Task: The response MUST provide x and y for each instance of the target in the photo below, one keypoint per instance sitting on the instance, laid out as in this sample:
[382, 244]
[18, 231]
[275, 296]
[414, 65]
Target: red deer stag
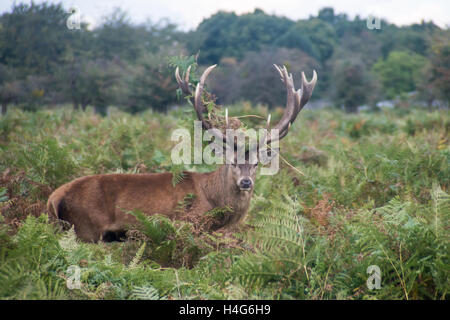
[97, 205]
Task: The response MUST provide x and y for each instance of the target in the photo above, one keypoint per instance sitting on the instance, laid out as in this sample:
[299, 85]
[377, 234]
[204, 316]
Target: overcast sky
[189, 13]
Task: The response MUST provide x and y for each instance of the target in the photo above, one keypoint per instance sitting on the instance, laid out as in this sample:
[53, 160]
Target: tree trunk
[351, 109]
[430, 105]
[101, 110]
[4, 108]
[76, 106]
[83, 106]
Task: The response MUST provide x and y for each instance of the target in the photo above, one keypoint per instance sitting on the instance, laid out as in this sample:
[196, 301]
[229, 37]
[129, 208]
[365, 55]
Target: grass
[374, 191]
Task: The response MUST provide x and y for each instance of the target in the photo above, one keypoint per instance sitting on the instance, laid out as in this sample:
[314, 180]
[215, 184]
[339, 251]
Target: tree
[435, 77]
[226, 81]
[400, 72]
[152, 86]
[104, 83]
[10, 87]
[117, 37]
[354, 84]
[226, 34]
[321, 37]
[326, 14]
[295, 37]
[33, 37]
[96, 82]
[255, 79]
[74, 79]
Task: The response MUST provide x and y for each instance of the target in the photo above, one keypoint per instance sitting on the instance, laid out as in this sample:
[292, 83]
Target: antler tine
[226, 117]
[184, 84]
[279, 71]
[302, 95]
[198, 103]
[290, 100]
[188, 72]
[177, 75]
[296, 99]
[307, 89]
[197, 98]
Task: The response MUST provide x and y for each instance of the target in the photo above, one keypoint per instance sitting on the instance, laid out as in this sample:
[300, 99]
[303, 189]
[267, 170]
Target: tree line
[43, 62]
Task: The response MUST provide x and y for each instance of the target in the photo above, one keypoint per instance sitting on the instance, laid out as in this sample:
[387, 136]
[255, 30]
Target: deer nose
[246, 183]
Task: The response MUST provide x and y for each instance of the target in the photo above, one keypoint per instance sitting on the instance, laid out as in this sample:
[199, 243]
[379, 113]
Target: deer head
[243, 174]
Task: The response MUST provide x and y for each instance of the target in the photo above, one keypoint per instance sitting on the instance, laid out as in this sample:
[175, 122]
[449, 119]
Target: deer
[98, 206]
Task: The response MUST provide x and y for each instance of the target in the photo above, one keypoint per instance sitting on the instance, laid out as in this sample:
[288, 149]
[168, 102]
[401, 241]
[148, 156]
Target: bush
[379, 197]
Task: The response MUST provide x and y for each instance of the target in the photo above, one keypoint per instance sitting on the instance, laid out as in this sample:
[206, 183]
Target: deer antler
[196, 99]
[295, 100]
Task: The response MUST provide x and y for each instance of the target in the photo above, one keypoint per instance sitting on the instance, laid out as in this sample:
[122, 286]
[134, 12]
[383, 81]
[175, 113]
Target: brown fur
[98, 204]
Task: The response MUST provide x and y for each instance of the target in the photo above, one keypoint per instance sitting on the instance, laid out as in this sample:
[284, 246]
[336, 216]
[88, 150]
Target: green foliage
[400, 72]
[219, 212]
[186, 203]
[226, 34]
[178, 174]
[158, 228]
[169, 243]
[29, 267]
[398, 237]
[152, 86]
[354, 84]
[145, 293]
[47, 162]
[435, 77]
[183, 63]
[44, 28]
[3, 194]
[379, 197]
[120, 63]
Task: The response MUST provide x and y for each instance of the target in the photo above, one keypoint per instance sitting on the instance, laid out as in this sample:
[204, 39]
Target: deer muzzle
[245, 184]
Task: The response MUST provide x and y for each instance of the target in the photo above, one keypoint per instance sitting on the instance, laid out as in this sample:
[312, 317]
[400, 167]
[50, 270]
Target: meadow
[353, 191]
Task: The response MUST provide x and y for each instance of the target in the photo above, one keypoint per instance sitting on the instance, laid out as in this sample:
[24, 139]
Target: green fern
[441, 211]
[157, 227]
[219, 212]
[137, 258]
[186, 203]
[178, 174]
[145, 293]
[3, 194]
[281, 246]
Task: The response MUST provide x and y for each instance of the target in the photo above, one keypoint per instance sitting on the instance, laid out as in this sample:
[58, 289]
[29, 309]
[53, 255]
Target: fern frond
[133, 264]
[441, 211]
[68, 242]
[145, 293]
[280, 238]
[178, 174]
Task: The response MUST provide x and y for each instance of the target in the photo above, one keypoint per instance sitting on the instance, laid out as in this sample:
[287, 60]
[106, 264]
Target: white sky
[189, 13]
